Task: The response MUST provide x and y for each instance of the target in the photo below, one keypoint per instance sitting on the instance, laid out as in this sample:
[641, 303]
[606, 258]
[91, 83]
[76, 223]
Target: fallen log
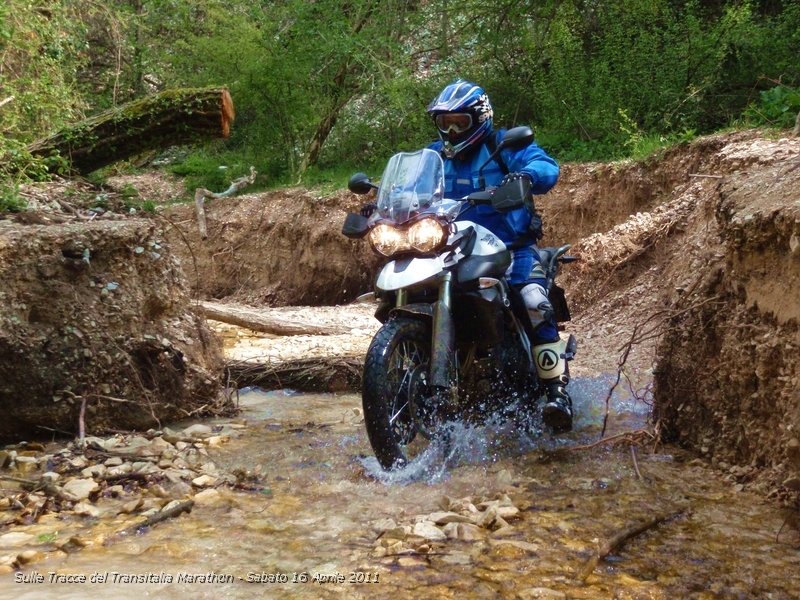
[172, 117]
[325, 374]
[262, 321]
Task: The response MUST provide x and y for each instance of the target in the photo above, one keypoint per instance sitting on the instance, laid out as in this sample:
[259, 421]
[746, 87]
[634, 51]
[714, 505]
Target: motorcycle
[455, 340]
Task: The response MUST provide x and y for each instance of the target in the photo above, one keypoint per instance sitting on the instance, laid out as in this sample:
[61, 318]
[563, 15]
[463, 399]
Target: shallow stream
[313, 528]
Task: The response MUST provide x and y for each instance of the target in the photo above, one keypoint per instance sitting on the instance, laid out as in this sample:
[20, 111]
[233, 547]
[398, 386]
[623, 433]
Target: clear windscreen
[412, 182]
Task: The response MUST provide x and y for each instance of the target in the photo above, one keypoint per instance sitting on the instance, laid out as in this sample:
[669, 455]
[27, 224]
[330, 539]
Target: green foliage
[776, 107]
[325, 88]
[10, 200]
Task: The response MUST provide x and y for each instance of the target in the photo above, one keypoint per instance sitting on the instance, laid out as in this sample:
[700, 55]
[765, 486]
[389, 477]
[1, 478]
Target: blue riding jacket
[513, 227]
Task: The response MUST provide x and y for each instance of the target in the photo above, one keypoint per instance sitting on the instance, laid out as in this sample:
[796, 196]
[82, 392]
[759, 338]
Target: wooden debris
[327, 374]
[262, 321]
[618, 540]
[200, 195]
[162, 515]
[161, 120]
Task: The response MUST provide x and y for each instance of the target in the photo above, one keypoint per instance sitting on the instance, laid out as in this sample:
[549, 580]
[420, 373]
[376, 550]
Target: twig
[82, 424]
[704, 175]
[635, 462]
[200, 194]
[616, 542]
[175, 511]
[6, 101]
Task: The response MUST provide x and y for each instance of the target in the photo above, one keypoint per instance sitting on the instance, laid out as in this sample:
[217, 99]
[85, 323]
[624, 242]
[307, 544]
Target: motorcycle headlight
[425, 235]
[387, 240]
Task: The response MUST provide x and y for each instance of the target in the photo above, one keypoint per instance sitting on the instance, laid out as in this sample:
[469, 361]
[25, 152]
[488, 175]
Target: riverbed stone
[86, 509]
[204, 481]
[15, 538]
[207, 497]
[197, 431]
[428, 531]
[81, 488]
[541, 592]
[442, 518]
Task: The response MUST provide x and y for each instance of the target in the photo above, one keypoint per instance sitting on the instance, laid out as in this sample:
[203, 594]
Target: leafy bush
[776, 107]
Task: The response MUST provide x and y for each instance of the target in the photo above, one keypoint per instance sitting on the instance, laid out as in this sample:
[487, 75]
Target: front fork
[443, 343]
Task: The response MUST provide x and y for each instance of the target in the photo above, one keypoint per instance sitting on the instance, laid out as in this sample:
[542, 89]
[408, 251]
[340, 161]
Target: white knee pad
[539, 307]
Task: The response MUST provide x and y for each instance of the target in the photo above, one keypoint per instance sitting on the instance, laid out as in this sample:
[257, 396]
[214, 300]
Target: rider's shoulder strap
[491, 143]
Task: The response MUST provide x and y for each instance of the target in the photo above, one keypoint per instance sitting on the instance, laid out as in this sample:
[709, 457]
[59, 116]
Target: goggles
[455, 122]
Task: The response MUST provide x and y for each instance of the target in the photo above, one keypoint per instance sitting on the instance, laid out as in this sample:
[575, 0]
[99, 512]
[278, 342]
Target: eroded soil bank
[96, 327]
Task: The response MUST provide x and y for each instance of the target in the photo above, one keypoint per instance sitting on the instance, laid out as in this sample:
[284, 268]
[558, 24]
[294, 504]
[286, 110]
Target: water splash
[502, 437]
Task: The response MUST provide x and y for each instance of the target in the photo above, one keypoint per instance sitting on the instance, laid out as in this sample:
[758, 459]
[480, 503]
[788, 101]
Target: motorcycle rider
[463, 114]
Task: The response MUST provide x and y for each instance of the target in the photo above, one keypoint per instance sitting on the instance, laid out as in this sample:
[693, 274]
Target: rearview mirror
[355, 226]
[517, 138]
[360, 184]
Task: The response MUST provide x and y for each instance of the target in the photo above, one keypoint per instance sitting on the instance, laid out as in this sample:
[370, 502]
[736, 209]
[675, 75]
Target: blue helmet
[463, 116]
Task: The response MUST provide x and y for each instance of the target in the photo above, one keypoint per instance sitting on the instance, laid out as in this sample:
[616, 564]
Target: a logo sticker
[547, 360]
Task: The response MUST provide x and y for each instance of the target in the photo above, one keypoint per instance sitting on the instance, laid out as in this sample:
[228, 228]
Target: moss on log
[177, 116]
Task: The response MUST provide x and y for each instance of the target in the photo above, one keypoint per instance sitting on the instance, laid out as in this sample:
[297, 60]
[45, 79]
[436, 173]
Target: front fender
[414, 310]
[405, 272]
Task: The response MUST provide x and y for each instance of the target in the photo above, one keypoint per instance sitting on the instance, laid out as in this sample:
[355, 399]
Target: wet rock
[396, 533]
[15, 538]
[410, 562]
[197, 431]
[86, 509]
[488, 517]
[81, 488]
[207, 497]
[527, 546]
[94, 471]
[117, 471]
[114, 461]
[204, 481]
[29, 556]
[541, 592]
[428, 531]
[469, 532]
[158, 491]
[442, 518]
[457, 558]
[131, 507]
[382, 525]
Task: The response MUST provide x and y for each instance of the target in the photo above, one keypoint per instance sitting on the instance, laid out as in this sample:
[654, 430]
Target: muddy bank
[98, 313]
[275, 248]
[728, 380]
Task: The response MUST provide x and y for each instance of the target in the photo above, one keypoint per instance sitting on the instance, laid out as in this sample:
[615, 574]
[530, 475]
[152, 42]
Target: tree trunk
[796, 130]
[171, 117]
[262, 321]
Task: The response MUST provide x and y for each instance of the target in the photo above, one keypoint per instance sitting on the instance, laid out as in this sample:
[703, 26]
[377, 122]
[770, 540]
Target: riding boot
[551, 363]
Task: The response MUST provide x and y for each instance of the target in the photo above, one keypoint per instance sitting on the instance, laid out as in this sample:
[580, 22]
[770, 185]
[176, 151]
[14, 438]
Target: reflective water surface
[313, 527]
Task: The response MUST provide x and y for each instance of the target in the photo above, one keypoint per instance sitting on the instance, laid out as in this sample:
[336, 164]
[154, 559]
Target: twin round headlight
[423, 236]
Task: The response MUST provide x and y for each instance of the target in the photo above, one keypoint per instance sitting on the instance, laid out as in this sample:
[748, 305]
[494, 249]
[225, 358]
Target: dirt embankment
[276, 248]
[689, 259]
[98, 314]
[693, 261]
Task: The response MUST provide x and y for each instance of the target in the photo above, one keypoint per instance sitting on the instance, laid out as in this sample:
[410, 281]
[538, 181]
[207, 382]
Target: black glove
[367, 210]
[513, 177]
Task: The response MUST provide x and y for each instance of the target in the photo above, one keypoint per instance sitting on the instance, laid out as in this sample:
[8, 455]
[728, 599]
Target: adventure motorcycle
[456, 337]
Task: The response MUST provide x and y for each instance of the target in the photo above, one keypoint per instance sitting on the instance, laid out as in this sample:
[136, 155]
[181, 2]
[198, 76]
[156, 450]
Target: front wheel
[396, 391]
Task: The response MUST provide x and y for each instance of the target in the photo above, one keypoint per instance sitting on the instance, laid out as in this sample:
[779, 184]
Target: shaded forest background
[325, 86]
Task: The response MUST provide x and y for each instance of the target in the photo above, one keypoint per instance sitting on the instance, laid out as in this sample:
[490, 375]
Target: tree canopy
[327, 83]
